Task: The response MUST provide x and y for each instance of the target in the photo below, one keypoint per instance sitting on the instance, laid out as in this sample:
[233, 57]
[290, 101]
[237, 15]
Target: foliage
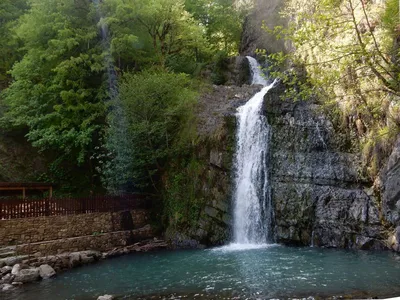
[58, 89]
[165, 29]
[342, 54]
[391, 16]
[64, 59]
[183, 202]
[10, 10]
[159, 124]
[220, 67]
[223, 21]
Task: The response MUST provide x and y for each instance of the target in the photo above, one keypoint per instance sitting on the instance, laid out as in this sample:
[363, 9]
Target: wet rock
[317, 193]
[87, 259]
[106, 297]
[27, 275]
[390, 187]
[6, 287]
[394, 240]
[45, 271]
[74, 259]
[5, 270]
[8, 278]
[16, 268]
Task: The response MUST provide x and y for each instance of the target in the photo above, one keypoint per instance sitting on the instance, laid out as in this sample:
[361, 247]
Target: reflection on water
[271, 272]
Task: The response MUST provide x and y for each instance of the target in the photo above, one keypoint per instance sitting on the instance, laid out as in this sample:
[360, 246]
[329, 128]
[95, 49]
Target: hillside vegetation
[346, 53]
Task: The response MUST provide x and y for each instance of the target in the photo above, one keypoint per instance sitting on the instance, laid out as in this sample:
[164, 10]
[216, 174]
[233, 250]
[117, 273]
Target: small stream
[270, 272]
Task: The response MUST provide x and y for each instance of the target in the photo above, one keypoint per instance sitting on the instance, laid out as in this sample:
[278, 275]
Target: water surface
[269, 272]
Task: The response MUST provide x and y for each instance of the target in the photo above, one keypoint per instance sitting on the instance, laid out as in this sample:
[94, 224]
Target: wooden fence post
[47, 206]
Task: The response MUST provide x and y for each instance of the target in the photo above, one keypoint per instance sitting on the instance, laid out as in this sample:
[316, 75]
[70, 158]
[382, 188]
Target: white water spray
[257, 76]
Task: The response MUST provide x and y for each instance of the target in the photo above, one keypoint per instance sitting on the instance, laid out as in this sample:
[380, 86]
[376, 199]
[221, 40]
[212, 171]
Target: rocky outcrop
[254, 36]
[319, 198]
[389, 183]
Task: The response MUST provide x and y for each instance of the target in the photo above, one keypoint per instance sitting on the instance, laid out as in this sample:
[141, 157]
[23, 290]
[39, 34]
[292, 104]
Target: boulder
[5, 270]
[74, 259]
[15, 270]
[87, 259]
[394, 240]
[45, 271]
[27, 275]
[106, 297]
[6, 287]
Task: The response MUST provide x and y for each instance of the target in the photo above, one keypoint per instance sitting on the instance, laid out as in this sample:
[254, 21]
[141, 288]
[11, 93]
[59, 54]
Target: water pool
[225, 273]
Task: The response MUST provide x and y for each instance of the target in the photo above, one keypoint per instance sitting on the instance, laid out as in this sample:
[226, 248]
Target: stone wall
[32, 230]
[98, 242]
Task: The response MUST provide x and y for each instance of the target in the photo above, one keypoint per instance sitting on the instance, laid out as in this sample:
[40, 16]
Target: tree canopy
[62, 60]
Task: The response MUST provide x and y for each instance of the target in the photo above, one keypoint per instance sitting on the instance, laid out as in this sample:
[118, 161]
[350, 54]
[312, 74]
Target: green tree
[163, 27]
[158, 109]
[58, 88]
[223, 20]
[10, 11]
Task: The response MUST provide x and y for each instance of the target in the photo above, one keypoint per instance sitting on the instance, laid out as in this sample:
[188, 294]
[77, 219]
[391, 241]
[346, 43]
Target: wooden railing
[14, 208]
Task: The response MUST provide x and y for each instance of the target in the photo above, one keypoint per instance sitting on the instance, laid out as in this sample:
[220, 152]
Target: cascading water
[252, 208]
[117, 142]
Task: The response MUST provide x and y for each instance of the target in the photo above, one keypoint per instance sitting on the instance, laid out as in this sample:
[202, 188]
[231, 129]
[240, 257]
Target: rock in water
[74, 260]
[106, 297]
[45, 271]
[27, 275]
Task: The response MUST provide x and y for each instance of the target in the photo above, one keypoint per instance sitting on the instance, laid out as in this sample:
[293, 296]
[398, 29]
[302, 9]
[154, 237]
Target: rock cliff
[216, 130]
[318, 195]
[319, 198]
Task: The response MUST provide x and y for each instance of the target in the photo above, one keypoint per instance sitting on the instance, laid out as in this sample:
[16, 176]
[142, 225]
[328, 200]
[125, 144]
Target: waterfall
[252, 200]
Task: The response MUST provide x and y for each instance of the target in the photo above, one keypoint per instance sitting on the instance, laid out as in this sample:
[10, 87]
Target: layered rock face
[389, 186]
[318, 197]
